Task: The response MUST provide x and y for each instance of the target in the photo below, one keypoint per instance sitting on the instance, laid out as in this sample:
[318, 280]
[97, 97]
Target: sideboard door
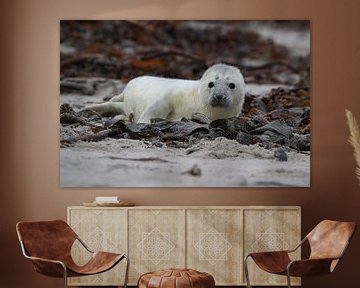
[156, 240]
[214, 244]
[101, 230]
[270, 230]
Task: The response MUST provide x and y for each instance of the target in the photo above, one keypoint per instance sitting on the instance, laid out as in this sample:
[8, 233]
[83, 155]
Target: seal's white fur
[149, 97]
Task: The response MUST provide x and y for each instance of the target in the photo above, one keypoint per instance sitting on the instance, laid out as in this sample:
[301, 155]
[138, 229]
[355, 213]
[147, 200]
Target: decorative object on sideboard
[120, 204]
[328, 243]
[354, 140]
[108, 201]
[48, 245]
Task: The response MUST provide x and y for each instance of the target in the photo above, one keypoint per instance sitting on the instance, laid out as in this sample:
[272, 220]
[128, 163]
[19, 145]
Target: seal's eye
[232, 86]
[211, 84]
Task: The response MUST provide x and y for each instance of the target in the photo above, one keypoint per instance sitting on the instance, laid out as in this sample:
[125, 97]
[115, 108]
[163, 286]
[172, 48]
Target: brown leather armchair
[328, 242]
[48, 245]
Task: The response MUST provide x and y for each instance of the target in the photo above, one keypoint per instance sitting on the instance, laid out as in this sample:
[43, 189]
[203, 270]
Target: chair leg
[65, 275]
[288, 278]
[127, 271]
[246, 270]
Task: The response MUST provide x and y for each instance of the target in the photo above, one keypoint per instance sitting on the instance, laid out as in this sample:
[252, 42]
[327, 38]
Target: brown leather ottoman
[176, 278]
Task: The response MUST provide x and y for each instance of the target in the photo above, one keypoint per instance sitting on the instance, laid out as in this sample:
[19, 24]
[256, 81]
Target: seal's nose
[219, 97]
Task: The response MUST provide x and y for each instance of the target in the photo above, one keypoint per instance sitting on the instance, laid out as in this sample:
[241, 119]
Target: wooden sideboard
[211, 239]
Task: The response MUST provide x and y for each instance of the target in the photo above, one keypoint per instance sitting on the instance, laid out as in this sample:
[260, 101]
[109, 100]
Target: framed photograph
[185, 103]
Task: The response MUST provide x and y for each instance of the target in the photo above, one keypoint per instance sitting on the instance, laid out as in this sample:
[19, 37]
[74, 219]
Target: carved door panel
[156, 240]
[101, 230]
[269, 230]
[214, 244]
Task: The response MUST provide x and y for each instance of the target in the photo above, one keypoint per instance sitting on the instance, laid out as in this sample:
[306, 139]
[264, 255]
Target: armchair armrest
[279, 252]
[49, 267]
[267, 254]
[298, 246]
[83, 244]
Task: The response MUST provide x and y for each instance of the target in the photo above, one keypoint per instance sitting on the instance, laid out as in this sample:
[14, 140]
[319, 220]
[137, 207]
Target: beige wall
[29, 111]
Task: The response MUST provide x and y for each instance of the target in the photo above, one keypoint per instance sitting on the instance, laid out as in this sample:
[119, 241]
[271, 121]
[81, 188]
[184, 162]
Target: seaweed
[273, 128]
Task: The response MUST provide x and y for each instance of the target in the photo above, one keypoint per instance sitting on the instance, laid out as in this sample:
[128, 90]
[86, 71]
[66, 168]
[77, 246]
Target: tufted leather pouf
[176, 278]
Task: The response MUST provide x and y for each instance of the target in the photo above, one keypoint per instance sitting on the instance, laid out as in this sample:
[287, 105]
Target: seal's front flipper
[117, 98]
[108, 109]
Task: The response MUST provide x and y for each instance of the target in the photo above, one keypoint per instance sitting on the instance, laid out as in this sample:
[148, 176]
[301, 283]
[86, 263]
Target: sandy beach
[218, 163]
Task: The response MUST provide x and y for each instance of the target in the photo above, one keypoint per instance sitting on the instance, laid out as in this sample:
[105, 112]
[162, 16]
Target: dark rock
[300, 142]
[280, 154]
[66, 108]
[194, 171]
[200, 118]
[247, 139]
[276, 131]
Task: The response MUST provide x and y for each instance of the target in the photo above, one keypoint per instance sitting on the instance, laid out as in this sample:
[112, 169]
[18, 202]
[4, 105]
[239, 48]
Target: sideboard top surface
[193, 207]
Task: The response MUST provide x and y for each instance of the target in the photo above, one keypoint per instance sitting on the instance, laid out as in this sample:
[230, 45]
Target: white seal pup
[219, 94]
